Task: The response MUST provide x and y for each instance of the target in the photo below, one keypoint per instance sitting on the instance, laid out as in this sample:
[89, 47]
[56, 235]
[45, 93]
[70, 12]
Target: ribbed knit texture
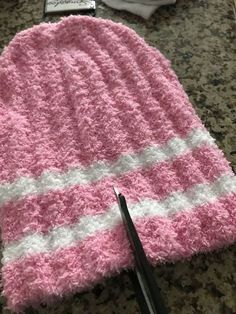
[86, 104]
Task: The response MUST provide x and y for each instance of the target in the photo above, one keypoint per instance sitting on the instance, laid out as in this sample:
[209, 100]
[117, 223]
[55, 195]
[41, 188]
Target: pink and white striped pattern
[86, 104]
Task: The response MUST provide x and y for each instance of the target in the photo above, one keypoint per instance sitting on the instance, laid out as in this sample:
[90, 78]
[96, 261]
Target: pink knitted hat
[86, 104]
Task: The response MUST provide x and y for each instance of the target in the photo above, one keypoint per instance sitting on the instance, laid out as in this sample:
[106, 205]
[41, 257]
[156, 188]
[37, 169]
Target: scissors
[147, 291]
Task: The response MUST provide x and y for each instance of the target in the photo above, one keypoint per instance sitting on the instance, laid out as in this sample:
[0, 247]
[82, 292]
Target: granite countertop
[198, 37]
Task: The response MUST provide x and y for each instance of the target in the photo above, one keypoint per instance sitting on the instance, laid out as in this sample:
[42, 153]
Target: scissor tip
[116, 191]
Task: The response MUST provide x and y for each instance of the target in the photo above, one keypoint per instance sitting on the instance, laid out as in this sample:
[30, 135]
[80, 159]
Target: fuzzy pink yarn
[86, 104]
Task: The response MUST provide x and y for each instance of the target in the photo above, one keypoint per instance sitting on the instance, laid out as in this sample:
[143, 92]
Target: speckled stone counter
[198, 37]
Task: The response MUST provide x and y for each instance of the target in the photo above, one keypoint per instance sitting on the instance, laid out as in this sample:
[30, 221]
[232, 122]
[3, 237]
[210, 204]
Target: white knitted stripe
[53, 180]
[65, 236]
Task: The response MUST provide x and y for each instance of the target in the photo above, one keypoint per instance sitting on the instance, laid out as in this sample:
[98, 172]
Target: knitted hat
[85, 105]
